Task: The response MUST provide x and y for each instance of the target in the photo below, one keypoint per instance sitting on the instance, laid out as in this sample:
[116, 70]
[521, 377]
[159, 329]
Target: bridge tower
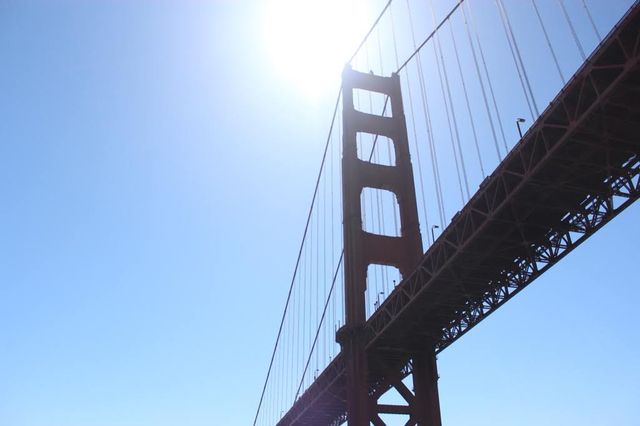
[363, 249]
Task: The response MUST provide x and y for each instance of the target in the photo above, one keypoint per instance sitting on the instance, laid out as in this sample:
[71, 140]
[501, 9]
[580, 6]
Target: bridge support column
[425, 383]
[362, 249]
[358, 406]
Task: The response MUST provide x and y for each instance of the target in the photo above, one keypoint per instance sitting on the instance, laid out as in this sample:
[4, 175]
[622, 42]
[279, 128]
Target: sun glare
[309, 42]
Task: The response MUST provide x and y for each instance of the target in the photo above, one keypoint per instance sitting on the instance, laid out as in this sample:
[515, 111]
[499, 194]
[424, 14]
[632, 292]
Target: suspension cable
[364, 40]
[427, 116]
[324, 249]
[517, 58]
[573, 30]
[415, 144]
[430, 36]
[479, 75]
[466, 98]
[444, 83]
[593, 24]
[309, 215]
[324, 311]
[488, 77]
[546, 36]
[335, 275]
[295, 269]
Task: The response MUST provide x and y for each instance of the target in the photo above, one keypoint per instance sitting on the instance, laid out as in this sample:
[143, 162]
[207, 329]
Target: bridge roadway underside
[574, 170]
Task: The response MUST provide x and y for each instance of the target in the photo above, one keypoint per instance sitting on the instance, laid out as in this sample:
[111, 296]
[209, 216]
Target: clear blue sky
[155, 171]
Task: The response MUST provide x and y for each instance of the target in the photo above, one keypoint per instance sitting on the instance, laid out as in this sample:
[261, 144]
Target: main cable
[430, 36]
[364, 40]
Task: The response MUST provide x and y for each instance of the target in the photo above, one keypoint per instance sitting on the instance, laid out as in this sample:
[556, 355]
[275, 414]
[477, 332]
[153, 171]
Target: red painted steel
[572, 172]
[363, 249]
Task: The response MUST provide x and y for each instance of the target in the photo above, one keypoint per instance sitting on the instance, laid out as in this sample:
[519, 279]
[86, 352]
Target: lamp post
[433, 235]
[518, 121]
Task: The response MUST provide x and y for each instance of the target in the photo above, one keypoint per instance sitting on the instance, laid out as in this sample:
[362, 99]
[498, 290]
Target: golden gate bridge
[537, 140]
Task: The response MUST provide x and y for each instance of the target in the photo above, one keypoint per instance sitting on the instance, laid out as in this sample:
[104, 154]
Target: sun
[309, 42]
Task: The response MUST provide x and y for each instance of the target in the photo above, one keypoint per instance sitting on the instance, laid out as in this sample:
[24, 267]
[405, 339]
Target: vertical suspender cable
[425, 108]
[315, 339]
[309, 303]
[333, 251]
[296, 326]
[304, 305]
[325, 245]
[415, 142]
[573, 30]
[295, 270]
[413, 125]
[593, 24]
[289, 347]
[466, 98]
[488, 77]
[341, 307]
[479, 75]
[444, 87]
[317, 307]
[517, 58]
[335, 275]
[546, 37]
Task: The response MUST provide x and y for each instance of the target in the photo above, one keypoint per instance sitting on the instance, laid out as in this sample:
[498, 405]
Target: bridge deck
[574, 170]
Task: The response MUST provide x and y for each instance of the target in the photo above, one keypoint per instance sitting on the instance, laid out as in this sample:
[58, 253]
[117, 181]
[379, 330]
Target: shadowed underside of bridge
[574, 170]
